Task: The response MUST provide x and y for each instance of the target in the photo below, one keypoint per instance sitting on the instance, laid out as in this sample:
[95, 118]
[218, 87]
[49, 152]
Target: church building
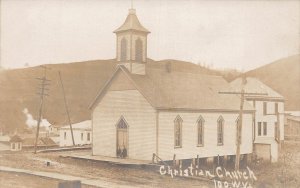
[142, 111]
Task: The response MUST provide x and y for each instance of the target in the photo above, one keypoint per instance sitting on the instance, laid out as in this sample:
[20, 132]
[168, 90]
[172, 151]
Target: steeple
[132, 44]
[132, 23]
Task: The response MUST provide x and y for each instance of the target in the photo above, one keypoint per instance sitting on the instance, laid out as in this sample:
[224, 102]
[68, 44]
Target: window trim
[200, 119]
[139, 51]
[276, 108]
[220, 119]
[259, 127]
[265, 128]
[265, 108]
[178, 119]
[88, 136]
[123, 51]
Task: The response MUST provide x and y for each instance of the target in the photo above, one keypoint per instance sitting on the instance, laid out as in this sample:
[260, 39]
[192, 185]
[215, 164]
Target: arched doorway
[122, 139]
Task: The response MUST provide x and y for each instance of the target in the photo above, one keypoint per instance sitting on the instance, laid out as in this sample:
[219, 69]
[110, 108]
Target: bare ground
[285, 173]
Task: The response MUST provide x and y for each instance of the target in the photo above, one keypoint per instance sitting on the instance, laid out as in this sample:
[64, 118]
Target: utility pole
[44, 84]
[66, 106]
[240, 121]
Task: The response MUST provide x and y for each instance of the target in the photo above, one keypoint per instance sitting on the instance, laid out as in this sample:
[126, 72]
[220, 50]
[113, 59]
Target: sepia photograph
[149, 93]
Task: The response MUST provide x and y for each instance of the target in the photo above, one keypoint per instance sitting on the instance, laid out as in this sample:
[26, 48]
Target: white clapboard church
[142, 111]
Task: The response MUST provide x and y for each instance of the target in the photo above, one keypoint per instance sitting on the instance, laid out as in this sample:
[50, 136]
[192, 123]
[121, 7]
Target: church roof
[181, 91]
[253, 85]
[131, 23]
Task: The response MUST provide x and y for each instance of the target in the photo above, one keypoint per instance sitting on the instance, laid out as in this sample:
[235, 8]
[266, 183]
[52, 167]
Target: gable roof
[131, 23]
[84, 125]
[180, 91]
[253, 85]
[15, 138]
[43, 141]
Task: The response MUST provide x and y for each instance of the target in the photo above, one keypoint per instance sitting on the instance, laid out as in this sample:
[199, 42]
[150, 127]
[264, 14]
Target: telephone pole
[66, 106]
[242, 94]
[42, 93]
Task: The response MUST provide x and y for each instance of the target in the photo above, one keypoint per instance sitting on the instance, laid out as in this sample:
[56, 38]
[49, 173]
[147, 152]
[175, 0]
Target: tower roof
[132, 23]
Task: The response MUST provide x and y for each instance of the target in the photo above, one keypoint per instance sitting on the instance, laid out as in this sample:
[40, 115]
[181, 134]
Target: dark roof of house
[253, 85]
[181, 91]
[48, 141]
[15, 138]
[43, 141]
[132, 23]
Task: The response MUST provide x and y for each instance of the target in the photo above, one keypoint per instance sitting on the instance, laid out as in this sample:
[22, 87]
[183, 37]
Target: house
[16, 143]
[82, 132]
[292, 126]
[269, 117]
[53, 130]
[142, 111]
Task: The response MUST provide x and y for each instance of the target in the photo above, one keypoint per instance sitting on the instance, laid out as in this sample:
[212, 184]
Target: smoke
[30, 122]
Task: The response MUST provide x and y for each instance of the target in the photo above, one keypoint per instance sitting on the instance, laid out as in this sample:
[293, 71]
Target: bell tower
[132, 44]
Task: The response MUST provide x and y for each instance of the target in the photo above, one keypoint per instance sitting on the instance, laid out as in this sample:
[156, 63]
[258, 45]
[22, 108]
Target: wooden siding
[77, 137]
[141, 120]
[121, 82]
[270, 119]
[189, 147]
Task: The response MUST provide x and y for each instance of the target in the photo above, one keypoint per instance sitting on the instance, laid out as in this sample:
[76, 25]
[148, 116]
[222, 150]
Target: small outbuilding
[16, 143]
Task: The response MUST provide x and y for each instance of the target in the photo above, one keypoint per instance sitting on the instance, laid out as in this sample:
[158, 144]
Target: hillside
[284, 77]
[82, 81]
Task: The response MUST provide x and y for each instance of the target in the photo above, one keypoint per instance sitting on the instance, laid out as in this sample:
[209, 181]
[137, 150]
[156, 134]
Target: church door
[122, 139]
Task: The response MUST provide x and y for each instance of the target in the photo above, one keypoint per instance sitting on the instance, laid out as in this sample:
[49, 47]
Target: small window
[178, 132]
[65, 135]
[220, 130]
[88, 136]
[81, 136]
[265, 108]
[13, 146]
[276, 108]
[259, 128]
[200, 127]
[19, 146]
[265, 128]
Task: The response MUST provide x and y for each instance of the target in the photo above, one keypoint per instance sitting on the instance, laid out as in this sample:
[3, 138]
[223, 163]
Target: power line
[42, 93]
[66, 106]
[240, 121]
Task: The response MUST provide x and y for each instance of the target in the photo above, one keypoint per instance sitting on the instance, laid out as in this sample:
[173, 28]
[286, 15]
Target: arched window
[122, 138]
[139, 50]
[220, 130]
[200, 131]
[178, 131]
[123, 49]
[122, 124]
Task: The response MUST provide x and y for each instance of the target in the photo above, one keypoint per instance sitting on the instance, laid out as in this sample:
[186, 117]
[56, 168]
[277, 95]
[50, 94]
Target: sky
[239, 34]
